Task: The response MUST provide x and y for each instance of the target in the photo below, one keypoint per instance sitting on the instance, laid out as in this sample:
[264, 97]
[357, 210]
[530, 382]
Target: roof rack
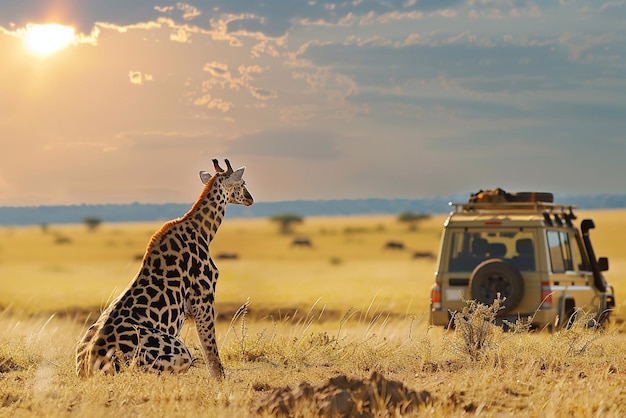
[512, 207]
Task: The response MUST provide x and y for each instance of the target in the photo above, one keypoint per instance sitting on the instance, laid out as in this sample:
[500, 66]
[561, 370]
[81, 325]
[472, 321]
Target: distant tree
[286, 221]
[92, 222]
[412, 219]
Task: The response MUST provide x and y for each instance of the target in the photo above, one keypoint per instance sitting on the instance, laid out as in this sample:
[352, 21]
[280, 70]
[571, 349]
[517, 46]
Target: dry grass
[343, 307]
[578, 372]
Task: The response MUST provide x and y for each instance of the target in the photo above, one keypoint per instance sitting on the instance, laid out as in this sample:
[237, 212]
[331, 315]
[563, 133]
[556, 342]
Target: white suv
[525, 248]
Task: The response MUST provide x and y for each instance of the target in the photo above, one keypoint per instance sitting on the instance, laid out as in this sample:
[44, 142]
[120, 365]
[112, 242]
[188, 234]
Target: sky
[318, 99]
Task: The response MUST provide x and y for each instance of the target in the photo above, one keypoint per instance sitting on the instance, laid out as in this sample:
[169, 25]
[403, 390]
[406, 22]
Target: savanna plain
[288, 315]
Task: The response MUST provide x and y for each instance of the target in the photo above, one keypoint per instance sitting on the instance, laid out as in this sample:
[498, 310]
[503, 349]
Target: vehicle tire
[495, 276]
[567, 313]
[606, 307]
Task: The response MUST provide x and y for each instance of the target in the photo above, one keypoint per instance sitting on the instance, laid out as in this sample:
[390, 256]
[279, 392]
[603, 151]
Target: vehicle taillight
[546, 295]
[610, 302]
[435, 297]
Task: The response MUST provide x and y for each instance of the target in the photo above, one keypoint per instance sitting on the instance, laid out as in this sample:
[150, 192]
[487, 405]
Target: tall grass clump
[581, 332]
[267, 342]
[475, 329]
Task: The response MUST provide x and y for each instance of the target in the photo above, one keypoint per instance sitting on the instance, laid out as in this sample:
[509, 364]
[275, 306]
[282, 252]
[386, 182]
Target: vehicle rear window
[470, 248]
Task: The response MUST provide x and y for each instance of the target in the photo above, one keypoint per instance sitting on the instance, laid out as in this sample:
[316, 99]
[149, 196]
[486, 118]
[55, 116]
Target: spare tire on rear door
[495, 276]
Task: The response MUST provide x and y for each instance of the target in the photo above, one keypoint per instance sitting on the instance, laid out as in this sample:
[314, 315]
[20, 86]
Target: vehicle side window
[459, 251]
[577, 255]
[561, 257]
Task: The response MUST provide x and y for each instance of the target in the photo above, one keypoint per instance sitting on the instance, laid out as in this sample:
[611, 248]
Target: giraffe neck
[204, 217]
[207, 213]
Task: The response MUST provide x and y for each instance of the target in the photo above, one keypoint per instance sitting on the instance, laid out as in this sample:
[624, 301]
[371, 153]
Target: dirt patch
[343, 396]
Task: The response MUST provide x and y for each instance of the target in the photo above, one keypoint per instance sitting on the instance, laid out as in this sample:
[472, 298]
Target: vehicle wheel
[495, 276]
[604, 318]
[606, 307]
[567, 314]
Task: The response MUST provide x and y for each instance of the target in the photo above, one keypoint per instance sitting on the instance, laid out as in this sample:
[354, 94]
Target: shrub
[475, 327]
[412, 219]
[286, 221]
[92, 222]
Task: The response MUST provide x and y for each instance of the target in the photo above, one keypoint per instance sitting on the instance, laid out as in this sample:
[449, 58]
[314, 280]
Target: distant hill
[38, 215]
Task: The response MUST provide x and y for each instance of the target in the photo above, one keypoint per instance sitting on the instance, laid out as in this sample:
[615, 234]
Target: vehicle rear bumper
[539, 319]
[440, 318]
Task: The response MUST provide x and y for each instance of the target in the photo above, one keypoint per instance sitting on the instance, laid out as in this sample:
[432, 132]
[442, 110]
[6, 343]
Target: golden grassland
[345, 306]
[73, 268]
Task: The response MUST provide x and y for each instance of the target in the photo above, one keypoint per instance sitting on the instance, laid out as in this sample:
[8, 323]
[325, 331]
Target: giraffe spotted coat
[176, 281]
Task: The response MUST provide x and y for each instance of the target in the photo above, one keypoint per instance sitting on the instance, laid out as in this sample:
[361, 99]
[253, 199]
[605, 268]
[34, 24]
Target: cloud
[82, 14]
[614, 9]
[268, 19]
[189, 12]
[288, 143]
[136, 77]
[330, 89]
[219, 104]
[181, 35]
[580, 45]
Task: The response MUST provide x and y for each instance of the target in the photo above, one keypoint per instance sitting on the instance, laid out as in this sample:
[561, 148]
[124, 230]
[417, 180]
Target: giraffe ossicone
[176, 281]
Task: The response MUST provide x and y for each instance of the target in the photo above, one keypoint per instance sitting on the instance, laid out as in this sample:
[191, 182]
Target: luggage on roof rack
[498, 200]
[500, 196]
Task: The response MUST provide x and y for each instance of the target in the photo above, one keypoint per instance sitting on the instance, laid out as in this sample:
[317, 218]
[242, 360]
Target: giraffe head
[233, 184]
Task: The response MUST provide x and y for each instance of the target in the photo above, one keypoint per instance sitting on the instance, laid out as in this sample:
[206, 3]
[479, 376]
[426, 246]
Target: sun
[46, 39]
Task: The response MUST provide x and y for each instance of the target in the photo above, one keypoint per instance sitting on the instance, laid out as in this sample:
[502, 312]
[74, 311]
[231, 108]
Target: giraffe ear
[237, 174]
[205, 176]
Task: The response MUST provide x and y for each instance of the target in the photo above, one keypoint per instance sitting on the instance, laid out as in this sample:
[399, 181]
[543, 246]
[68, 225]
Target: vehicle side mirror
[603, 263]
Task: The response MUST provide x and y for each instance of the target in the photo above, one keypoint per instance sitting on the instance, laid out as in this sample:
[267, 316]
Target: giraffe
[176, 281]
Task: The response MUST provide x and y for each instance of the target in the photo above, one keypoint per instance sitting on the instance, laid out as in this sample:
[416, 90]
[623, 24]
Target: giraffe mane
[167, 225]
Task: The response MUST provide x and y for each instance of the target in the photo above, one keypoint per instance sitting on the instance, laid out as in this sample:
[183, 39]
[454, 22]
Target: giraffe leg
[152, 349]
[214, 364]
[206, 334]
[82, 352]
[162, 352]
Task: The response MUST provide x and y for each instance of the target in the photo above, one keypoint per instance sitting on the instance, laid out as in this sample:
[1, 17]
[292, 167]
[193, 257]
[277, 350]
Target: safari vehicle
[525, 248]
